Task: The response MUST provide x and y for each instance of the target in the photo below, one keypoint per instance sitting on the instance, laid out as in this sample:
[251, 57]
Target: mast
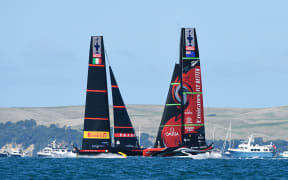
[230, 126]
[182, 44]
[96, 133]
[124, 134]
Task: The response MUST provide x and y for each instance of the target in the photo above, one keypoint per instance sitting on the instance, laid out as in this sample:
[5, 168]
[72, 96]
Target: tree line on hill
[27, 132]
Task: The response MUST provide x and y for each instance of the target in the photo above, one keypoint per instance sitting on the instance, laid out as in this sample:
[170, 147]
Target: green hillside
[269, 123]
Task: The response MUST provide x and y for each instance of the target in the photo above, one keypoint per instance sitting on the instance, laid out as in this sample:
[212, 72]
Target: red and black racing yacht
[181, 131]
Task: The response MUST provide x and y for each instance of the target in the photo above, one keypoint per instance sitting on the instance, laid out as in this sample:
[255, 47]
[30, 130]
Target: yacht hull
[175, 152]
[44, 156]
[235, 154]
[16, 155]
[100, 155]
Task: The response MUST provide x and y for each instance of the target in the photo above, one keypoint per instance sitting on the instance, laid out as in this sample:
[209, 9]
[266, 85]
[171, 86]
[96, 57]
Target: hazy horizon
[44, 50]
[137, 104]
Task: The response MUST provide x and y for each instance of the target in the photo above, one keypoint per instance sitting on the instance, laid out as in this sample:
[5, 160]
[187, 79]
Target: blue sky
[44, 50]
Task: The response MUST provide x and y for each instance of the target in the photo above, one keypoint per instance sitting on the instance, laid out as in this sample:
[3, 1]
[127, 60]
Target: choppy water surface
[142, 168]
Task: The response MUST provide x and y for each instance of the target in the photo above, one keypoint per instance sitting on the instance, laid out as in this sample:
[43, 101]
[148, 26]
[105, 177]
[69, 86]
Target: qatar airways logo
[172, 132]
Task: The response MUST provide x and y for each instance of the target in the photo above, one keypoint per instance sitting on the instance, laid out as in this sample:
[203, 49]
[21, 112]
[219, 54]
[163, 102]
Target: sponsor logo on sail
[188, 112]
[172, 132]
[97, 46]
[96, 135]
[199, 109]
[189, 129]
[124, 135]
[190, 38]
[190, 48]
[193, 63]
[198, 79]
[96, 55]
[188, 120]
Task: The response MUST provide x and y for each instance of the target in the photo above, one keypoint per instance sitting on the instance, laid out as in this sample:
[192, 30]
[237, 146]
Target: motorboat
[56, 150]
[247, 149]
[17, 153]
[4, 154]
[284, 154]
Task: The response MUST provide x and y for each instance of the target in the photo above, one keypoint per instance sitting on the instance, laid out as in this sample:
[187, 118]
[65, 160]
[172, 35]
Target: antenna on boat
[213, 135]
[139, 136]
[230, 124]
[228, 135]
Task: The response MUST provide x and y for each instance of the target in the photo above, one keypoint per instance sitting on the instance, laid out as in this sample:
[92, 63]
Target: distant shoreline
[269, 123]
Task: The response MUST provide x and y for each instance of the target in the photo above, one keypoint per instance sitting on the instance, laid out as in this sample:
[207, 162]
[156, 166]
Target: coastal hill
[269, 123]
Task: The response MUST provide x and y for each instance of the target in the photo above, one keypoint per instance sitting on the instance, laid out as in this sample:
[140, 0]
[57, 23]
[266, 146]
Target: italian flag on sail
[97, 61]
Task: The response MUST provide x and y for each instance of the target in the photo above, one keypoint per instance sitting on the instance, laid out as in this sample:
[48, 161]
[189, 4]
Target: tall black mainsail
[96, 133]
[124, 134]
[182, 126]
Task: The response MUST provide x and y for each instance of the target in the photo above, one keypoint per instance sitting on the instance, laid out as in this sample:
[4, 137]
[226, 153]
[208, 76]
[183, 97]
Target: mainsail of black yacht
[96, 132]
[181, 130]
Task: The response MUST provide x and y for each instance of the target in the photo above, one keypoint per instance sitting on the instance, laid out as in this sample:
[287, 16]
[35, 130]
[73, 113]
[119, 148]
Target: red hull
[174, 151]
[149, 152]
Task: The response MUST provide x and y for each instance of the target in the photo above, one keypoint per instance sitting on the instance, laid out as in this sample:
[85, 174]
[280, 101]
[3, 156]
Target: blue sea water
[142, 168]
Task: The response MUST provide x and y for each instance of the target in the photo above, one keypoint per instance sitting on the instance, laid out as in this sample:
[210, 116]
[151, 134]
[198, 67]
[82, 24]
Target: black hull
[114, 151]
[100, 154]
[177, 152]
[93, 153]
[129, 151]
